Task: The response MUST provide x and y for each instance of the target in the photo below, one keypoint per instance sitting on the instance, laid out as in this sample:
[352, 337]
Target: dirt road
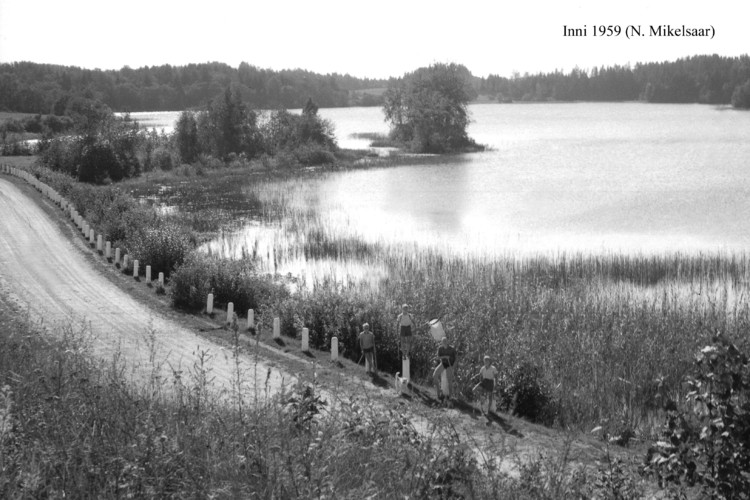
[48, 271]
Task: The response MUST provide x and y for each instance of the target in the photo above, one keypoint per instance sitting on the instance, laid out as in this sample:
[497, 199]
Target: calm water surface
[630, 177]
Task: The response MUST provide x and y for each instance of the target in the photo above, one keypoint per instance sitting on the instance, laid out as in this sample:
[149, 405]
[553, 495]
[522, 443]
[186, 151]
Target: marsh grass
[609, 335]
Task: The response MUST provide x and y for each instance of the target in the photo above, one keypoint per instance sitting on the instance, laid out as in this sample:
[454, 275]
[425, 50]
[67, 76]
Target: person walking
[406, 327]
[487, 375]
[446, 354]
[367, 344]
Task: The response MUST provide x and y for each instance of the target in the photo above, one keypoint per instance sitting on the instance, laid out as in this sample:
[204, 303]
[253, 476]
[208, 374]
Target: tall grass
[610, 334]
[75, 427]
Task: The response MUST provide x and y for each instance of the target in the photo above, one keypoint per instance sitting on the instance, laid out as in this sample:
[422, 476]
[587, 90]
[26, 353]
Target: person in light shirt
[487, 375]
[406, 327]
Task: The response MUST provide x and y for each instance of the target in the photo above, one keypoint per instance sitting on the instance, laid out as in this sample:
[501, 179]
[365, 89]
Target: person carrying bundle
[446, 354]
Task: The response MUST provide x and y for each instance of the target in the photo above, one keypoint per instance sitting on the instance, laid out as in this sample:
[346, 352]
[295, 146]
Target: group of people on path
[446, 355]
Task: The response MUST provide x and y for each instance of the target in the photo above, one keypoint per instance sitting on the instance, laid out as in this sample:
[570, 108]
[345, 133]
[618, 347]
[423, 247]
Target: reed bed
[606, 338]
[611, 335]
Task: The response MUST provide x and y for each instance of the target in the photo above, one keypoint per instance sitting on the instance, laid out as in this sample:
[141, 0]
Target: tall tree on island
[428, 108]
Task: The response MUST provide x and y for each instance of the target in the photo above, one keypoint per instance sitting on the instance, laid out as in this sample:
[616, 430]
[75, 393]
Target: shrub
[707, 442]
[163, 247]
[98, 161]
[526, 393]
[311, 155]
[190, 283]
[162, 159]
[61, 154]
[231, 281]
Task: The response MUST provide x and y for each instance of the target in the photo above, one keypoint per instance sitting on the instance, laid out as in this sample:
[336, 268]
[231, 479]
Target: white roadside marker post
[276, 328]
[305, 340]
[230, 313]
[250, 319]
[334, 349]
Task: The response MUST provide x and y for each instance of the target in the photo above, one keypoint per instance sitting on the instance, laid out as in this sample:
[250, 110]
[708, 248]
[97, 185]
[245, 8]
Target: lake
[592, 177]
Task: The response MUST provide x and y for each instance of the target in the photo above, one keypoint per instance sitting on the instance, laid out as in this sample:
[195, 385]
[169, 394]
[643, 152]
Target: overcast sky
[366, 39]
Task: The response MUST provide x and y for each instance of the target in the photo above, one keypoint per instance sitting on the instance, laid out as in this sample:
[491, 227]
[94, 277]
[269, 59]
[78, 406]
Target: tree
[228, 126]
[428, 109]
[285, 131]
[186, 137]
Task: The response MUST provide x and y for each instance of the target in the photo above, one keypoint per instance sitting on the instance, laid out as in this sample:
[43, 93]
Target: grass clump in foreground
[74, 427]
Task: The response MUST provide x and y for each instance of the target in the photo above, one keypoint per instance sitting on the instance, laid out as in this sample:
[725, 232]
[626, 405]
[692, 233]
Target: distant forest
[49, 89]
[699, 79]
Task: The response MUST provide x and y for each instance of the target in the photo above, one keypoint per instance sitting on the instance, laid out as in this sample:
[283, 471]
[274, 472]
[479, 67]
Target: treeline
[51, 89]
[706, 79]
[48, 89]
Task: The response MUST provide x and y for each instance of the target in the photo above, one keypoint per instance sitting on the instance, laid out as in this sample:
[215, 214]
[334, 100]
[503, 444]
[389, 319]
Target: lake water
[596, 177]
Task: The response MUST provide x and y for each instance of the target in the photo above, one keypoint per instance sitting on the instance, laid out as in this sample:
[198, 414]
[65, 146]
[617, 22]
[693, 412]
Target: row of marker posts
[106, 249]
[276, 326]
[95, 240]
[305, 333]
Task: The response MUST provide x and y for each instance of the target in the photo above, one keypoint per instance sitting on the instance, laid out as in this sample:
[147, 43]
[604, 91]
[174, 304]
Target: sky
[375, 39]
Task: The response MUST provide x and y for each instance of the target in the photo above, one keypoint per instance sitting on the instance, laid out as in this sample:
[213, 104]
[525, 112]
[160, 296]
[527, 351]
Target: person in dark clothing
[447, 359]
[367, 344]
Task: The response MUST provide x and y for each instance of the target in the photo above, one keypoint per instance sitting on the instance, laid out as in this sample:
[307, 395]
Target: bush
[311, 155]
[163, 247]
[98, 161]
[526, 393]
[61, 154]
[191, 282]
[707, 442]
[231, 281]
[162, 159]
